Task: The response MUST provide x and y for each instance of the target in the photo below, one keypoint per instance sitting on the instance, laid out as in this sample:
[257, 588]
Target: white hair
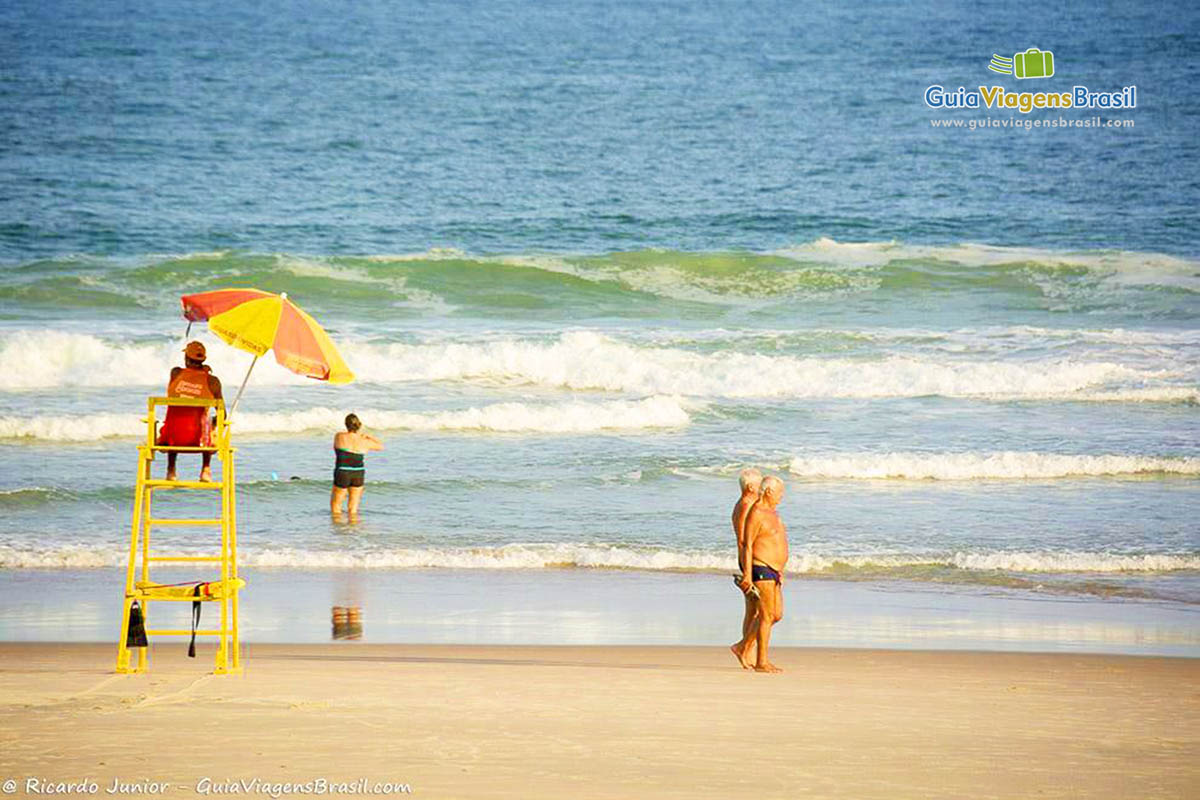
[750, 478]
[771, 482]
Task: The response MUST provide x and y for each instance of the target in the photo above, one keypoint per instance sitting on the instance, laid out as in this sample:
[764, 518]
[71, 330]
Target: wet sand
[606, 722]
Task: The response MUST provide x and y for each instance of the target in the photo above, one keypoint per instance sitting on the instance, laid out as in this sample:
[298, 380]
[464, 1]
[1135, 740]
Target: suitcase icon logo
[1033, 63]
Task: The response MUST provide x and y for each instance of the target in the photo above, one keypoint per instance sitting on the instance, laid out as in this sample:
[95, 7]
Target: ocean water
[588, 262]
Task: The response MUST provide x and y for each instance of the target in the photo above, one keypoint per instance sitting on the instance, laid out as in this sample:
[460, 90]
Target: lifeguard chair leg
[123, 654]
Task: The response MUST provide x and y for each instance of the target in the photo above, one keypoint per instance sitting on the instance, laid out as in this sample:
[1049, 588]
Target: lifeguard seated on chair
[190, 426]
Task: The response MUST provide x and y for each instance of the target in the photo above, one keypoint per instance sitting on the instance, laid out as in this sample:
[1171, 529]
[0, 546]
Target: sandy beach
[578, 269]
[612, 722]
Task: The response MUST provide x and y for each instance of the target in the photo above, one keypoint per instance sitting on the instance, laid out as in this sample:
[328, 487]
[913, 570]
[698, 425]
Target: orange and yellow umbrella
[258, 321]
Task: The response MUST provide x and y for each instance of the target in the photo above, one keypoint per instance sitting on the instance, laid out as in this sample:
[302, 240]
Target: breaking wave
[1119, 266]
[630, 557]
[584, 360]
[983, 466]
[590, 361]
[441, 280]
[572, 417]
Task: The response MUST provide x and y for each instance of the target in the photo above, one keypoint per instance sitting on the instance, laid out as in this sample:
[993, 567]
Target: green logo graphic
[1001, 64]
[1033, 63]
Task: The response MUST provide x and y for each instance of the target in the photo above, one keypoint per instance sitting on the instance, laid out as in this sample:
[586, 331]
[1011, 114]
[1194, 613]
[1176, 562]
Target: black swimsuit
[761, 572]
[350, 469]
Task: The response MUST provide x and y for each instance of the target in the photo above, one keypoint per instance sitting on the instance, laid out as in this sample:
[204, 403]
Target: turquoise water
[589, 262]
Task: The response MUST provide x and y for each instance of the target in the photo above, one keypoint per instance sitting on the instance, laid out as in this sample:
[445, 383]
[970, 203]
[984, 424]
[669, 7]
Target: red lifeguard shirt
[187, 427]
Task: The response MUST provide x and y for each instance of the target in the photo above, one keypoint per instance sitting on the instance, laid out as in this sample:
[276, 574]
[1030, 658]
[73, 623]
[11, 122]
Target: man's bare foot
[741, 655]
[206, 475]
[171, 476]
[768, 667]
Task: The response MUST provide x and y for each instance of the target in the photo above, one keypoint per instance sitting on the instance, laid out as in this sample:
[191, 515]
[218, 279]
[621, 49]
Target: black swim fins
[136, 637]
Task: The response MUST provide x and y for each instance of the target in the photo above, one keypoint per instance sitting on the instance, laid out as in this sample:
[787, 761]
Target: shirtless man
[751, 481]
[764, 556]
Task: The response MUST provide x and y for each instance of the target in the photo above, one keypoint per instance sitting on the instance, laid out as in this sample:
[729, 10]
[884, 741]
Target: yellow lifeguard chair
[143, 590]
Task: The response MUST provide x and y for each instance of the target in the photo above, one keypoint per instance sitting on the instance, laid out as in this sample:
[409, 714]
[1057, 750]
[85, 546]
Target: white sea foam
[1045, 562]
[71, 428]
[606, 556]
[47, 358]
[590, 361]
[1122, 336]
[583, 360]
[571, 417]
[982, 466]
[61, 557]
[564, 417]
[1026, 335]
[1162, 394]
[1174, 347]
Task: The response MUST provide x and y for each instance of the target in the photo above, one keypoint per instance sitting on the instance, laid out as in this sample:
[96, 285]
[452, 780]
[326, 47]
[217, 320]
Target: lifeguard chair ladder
[144, 590]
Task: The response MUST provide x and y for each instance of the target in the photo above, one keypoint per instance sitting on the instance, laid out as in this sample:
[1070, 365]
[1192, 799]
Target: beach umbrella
[258, 321]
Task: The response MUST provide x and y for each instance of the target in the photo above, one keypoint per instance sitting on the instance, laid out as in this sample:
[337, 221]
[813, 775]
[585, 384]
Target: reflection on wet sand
[347, 622]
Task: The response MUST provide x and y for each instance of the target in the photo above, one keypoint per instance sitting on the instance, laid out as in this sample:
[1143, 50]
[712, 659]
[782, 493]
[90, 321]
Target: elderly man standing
[189, 426]
[764, 557]
[750, 481]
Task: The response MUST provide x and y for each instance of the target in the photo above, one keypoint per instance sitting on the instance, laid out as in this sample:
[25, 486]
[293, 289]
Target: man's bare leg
[171, 465]
[770, 610]
[336, 498]
[206, 467]
[356, 493]
[741, 649]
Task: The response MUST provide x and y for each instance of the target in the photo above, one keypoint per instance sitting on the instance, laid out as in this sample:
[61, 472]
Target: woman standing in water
[349, 471]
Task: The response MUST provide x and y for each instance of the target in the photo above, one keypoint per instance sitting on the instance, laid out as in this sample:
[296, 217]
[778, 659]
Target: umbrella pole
[237, 399]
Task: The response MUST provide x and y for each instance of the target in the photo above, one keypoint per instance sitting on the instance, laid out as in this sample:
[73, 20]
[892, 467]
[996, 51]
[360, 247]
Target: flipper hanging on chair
[136, 637]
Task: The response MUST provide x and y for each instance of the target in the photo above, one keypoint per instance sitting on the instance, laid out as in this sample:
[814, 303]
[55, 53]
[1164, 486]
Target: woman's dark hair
[352, 423]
